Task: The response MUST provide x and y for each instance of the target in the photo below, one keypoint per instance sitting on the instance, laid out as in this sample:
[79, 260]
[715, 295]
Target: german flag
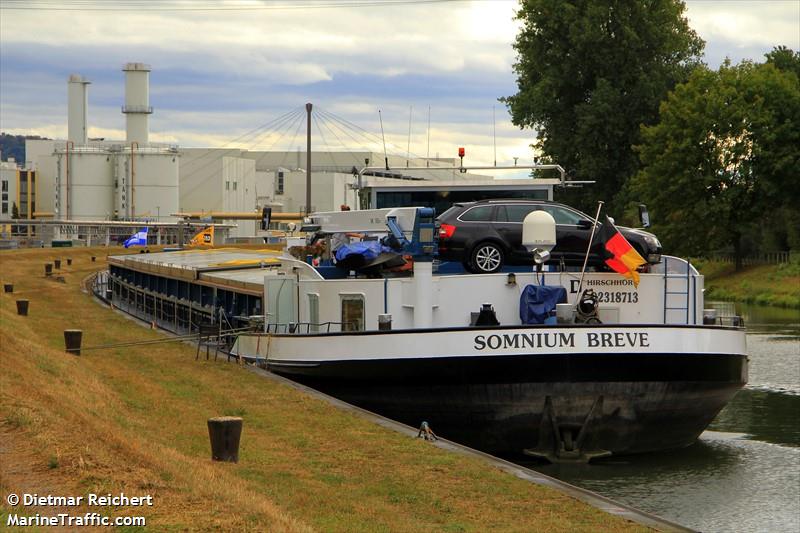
[618, 253]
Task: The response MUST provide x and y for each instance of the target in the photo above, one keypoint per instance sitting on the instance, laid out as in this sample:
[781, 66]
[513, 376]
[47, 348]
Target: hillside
[775, 285]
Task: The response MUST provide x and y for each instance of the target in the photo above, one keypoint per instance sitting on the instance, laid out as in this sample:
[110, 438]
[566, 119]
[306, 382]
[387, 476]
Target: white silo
[155, 186]
[91, 194]
[77, 108]
[83, 186]
[137, 102]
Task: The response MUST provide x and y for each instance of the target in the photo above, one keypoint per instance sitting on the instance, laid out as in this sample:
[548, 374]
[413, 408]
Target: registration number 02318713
[617, 297]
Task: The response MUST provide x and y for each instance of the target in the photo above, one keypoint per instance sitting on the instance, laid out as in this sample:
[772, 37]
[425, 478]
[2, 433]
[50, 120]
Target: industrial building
[9, 176]
[18, 200]
[134, 180]
[96, 179]
[220, 179]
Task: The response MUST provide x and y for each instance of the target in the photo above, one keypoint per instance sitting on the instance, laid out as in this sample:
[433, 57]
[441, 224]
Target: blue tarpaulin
[367, 250]
[537, 301]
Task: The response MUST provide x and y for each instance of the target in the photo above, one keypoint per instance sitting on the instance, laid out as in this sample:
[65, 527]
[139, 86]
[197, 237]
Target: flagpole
[588, 250]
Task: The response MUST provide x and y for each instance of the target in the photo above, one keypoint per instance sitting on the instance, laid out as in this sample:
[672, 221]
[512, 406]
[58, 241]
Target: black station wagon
[486, 235]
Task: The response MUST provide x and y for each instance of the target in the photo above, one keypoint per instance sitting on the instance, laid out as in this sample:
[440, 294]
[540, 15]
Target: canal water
[743, 474]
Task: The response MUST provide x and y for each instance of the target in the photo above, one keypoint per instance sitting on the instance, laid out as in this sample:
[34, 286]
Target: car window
[449, 210]
[477, 214]
[517, 212]
[563, 215]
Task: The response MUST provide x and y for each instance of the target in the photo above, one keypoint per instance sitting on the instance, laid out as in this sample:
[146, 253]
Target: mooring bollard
[72, 341]
[8, 287]
[48, 269]
[57, 263]
[69, 261]
[22, 307]
[224, 433]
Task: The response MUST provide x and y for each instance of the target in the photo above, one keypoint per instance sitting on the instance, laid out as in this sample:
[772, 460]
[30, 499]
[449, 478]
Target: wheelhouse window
[313, 313]
[352, 312]
[279, 183]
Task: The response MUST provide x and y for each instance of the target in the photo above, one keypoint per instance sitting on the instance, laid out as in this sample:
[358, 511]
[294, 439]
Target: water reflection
[759, 318]
[744, 475]
[763, 415]
[721, 483]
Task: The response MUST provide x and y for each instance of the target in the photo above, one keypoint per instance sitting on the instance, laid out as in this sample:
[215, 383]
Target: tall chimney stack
[137, 102]
[77, 108]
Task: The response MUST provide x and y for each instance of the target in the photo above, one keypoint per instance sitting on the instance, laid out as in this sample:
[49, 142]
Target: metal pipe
[133, 178]
[558, 168]
[238, 215]
[66, 197]
[588, 251]
[309, 106]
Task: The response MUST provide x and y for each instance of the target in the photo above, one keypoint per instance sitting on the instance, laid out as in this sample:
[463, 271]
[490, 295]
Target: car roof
[492, 201]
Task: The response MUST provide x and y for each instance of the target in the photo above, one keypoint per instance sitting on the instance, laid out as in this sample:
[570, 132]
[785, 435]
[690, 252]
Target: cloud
[744, 29]
[219, 75]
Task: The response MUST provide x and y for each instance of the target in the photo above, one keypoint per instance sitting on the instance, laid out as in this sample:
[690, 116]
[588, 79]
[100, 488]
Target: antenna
[385, 157]
[408, 146]
[428, 151]
[494, 134]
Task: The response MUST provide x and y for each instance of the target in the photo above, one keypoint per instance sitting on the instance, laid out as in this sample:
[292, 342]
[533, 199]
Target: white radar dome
[539, 231]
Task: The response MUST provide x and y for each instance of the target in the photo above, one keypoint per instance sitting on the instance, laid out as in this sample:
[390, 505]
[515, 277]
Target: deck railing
[767, 258]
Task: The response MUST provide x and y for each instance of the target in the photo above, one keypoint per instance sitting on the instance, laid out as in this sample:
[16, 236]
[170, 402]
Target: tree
[784, 59]
[589, 72]
[781, 230]
[14, 146]
[723, 157]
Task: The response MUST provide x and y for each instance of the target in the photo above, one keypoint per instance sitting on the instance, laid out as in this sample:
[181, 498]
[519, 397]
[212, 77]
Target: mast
[309, 106]
[494, 136]
[428, 151]
[408, 146]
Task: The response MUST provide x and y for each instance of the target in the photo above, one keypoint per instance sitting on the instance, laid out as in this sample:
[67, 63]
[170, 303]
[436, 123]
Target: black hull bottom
[633, 413]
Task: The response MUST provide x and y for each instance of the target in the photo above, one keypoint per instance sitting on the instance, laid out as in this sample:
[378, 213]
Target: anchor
[558, 443]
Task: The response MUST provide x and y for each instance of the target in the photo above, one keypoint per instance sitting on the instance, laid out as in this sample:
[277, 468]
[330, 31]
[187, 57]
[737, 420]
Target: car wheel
[487, 257]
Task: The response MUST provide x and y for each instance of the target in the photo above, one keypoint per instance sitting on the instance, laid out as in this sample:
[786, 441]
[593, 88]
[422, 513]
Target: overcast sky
[219, 73]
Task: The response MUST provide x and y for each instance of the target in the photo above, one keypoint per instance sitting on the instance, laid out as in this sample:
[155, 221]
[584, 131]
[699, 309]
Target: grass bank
[775, 285]
[133, 420]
